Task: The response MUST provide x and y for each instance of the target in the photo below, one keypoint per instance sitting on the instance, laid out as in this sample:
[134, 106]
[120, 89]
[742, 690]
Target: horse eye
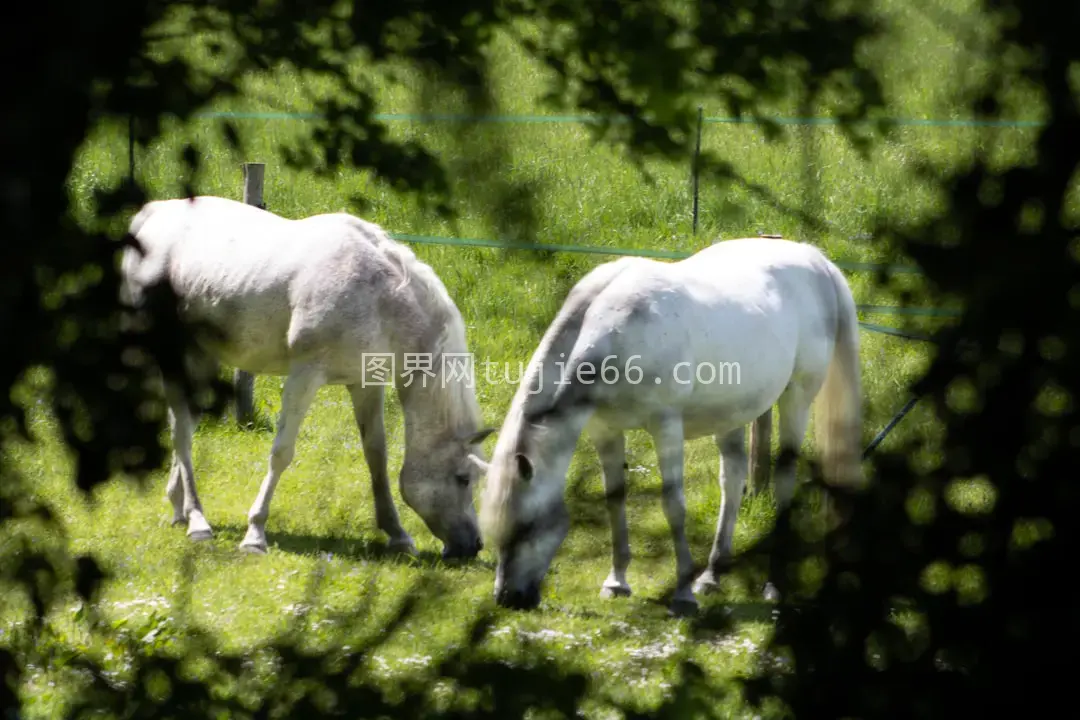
[462, 480]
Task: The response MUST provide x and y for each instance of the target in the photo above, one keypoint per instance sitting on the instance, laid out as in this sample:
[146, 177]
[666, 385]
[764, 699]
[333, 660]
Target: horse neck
[444, 405]
[542, 377]
[556, 438]
[539, 392]
[440, 407]
[434, 407]
[550, 446]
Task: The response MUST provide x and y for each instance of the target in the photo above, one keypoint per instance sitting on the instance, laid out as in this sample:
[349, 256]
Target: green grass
[582, 194]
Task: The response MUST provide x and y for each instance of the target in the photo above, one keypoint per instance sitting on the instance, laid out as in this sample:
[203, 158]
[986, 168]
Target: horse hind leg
[297, 396]
[181, 488]
[733, 473]
[612, 451]
[760, 453]
[794, 407]
[368, 406]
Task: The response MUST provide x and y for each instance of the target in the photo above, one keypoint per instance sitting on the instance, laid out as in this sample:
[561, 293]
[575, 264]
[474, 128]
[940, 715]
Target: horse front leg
[181, 488]
[611, 447]
[368, 406]
[297, 396]
[733, 472]
[668, 438]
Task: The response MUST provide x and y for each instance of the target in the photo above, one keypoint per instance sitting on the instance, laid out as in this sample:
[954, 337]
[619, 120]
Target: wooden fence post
[244, 383]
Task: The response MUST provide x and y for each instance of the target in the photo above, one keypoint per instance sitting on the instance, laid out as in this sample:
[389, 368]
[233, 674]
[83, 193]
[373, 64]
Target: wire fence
[849, 265]
[594, 119]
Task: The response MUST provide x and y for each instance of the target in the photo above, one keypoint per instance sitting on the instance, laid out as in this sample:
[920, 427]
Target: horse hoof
[684, 608]
[770, 593]
[252, 549]
[402, 547]
[614, 591]
[706, 584]
[705, 587]
[197, 527]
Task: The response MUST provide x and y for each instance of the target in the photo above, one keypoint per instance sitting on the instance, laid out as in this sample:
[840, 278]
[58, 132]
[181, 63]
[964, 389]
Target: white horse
[321, 300]
[699, 347]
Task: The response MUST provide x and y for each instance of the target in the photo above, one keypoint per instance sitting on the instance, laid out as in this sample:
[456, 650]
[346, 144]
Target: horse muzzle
[527, 598]
[463, 544]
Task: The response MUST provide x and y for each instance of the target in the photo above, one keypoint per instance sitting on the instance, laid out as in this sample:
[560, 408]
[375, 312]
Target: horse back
[762, 311]
[274, 288]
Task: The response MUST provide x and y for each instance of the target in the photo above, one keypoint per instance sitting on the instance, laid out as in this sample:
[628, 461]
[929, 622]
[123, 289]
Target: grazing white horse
[308, 299]
[698, 347]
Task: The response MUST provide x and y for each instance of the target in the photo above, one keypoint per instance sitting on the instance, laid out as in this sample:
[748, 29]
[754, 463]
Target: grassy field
[580, 194]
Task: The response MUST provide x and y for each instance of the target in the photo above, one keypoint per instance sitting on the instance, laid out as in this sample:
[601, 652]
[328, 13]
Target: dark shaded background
[72, 62]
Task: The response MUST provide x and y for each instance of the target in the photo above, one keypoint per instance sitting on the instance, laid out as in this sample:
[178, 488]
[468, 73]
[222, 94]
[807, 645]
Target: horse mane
[454, 400]
[496, 509]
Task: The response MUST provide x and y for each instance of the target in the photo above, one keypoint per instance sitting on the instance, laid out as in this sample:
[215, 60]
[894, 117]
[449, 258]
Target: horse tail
[838, 414]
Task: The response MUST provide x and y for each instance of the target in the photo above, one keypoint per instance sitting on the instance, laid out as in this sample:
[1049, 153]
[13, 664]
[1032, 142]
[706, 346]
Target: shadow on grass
[260, 422]
[367, 549]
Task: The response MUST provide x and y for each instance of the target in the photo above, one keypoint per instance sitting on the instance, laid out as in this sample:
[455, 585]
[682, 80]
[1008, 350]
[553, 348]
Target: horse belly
[251, 331]
[717, 409]
[717, 369]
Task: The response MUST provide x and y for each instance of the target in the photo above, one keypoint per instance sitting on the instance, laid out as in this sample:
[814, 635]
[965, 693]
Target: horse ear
[481, 464]
[479, 436]
[525, 468]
